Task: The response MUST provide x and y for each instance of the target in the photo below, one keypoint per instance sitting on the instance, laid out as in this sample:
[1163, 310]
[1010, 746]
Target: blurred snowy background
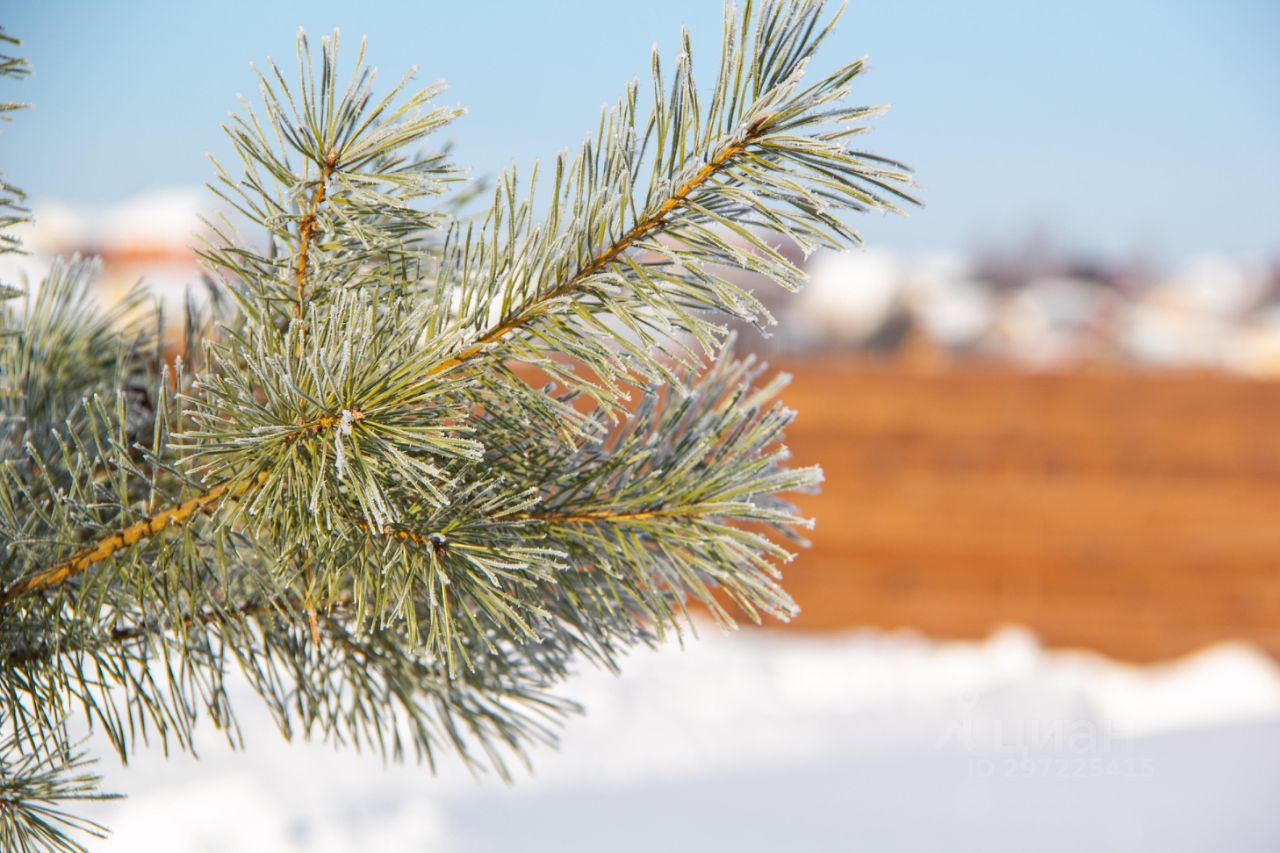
[768, 742]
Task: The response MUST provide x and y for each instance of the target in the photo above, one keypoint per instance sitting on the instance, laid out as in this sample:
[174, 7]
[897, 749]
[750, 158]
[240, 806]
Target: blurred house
[149, 239]
[1209, 313]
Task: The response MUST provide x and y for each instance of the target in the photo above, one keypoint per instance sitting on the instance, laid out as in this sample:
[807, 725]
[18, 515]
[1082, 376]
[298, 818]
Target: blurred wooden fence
[1133, 513]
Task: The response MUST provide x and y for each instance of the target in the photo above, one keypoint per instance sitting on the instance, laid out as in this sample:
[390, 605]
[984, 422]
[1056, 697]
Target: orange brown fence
[1135, 513]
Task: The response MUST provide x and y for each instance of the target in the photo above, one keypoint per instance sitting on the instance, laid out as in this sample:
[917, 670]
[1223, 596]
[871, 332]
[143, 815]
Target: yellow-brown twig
[121, 539]
[599, 515]
[636, 233]
[323, 423]
[307, 227]
[150, 526]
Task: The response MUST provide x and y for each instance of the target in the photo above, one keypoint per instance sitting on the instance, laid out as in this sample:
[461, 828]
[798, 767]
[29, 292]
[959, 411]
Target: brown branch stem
[596, 515]
[426, 540]
[636, 233]
[306, 228]
[176, 515]
[123, 538]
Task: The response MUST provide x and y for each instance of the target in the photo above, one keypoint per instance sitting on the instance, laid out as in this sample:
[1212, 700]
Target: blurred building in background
[150, 239]
[1034, 309]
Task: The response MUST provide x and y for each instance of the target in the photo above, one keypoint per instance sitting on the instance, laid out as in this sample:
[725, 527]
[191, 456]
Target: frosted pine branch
[349, 489]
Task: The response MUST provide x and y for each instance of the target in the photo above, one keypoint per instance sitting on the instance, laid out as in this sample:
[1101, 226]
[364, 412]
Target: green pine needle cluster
[412, 464]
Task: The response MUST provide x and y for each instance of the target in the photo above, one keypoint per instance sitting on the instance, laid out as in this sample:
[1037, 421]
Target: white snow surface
[781, 741]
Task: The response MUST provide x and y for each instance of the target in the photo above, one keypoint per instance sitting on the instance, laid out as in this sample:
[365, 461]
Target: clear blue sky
[1117, 126]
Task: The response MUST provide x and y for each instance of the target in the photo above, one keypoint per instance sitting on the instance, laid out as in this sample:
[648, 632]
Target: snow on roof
[162, 221]
[161, 218]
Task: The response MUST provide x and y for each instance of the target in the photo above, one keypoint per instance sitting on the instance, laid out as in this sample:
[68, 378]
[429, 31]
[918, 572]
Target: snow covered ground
[776, 741]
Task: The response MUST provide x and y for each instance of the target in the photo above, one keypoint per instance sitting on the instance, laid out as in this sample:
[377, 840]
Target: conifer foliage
[349, 487]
